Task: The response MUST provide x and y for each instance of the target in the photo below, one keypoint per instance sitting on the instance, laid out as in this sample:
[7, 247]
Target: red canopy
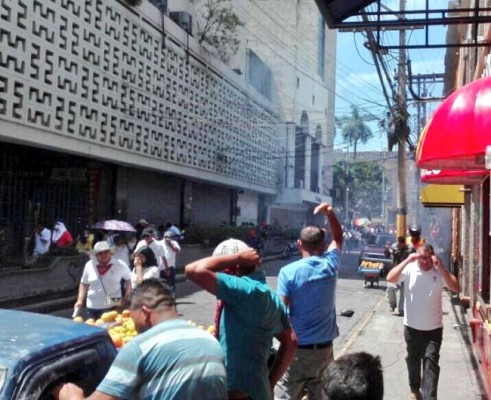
[457, 134]
[452, 176]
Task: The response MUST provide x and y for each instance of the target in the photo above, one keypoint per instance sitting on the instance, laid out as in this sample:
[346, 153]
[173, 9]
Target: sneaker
[415, 395]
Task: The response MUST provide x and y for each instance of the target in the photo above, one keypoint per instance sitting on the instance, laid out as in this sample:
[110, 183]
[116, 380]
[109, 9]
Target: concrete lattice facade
[96, 79]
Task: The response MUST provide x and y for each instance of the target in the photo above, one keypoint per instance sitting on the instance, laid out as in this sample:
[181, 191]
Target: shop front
[38, 184]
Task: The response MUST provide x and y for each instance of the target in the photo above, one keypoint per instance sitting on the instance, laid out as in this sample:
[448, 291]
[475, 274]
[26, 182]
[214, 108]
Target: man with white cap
[100, 284]
[148, 240]
[252, 315]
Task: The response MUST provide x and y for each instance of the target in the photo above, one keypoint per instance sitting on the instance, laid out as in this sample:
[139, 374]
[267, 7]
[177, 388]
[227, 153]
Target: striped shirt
[172, 360]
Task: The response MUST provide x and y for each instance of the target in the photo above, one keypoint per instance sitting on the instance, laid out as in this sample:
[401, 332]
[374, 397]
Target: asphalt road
[198, 306]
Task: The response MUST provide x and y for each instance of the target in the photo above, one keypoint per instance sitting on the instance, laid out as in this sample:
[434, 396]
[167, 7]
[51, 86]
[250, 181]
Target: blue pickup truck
[37, 352]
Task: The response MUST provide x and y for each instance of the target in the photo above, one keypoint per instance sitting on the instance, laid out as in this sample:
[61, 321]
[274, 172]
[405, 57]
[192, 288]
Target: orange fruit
[126, 313]
[117, 340]
[78, 319]
[90, 321]
[99, 322]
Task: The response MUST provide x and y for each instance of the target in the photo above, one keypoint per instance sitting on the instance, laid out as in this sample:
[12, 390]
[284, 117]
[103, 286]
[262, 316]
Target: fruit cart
[371, 272]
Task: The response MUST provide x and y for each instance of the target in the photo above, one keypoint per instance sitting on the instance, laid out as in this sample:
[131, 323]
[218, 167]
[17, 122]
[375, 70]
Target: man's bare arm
[336, 229]
[395, 273]
[203, 272]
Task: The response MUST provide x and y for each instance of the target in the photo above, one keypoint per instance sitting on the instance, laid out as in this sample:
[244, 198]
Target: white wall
[247, 201]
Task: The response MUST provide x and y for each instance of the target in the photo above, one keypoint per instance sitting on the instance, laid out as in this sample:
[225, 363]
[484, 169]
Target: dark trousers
[170, 279]
[423, 347]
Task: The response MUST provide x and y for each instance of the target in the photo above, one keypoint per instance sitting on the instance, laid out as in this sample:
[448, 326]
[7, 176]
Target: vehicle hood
[25, 335]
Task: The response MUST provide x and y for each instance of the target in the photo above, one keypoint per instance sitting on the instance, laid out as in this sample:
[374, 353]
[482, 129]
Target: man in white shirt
[171, 248]
[42, 239]
[424, 277]
[148, 240]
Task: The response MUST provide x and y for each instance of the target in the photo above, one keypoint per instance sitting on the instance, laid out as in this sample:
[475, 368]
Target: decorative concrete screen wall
[94, 77]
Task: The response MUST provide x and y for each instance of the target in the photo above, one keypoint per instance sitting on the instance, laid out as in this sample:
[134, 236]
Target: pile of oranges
[120, 327]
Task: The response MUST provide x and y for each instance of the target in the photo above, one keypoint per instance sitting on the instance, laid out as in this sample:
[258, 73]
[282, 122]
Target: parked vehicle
[374, 251]
[37, 352]
[290, 249]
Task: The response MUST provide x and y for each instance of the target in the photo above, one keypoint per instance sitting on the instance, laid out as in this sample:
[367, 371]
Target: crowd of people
[172, 359]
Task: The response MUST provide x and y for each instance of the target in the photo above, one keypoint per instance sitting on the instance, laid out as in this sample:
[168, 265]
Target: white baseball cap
[230, 246]
[101, 246]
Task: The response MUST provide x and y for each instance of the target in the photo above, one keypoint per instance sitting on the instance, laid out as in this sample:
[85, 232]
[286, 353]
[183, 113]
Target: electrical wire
[307, 39]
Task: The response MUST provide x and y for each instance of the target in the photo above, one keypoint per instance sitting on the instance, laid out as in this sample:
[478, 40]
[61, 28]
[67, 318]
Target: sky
[357, 82]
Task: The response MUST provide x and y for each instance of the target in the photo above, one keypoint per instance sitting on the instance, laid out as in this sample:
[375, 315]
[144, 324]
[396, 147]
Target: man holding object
[424, 277]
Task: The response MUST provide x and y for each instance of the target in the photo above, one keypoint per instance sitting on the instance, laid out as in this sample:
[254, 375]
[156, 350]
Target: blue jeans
[423, 346]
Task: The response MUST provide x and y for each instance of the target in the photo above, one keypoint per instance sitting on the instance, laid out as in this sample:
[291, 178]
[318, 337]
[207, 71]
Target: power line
[307, 39]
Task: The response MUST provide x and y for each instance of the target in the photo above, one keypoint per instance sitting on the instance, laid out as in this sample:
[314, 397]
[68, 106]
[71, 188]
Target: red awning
[457, 134]
[452, 176]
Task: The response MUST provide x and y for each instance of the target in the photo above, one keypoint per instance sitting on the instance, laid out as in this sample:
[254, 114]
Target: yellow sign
[442, 195]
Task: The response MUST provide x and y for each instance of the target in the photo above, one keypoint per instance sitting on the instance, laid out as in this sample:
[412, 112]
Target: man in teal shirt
[252, 315]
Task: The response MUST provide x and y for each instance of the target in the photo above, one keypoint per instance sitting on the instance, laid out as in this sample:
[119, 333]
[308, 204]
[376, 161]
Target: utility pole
[402, 131]
[346, 189]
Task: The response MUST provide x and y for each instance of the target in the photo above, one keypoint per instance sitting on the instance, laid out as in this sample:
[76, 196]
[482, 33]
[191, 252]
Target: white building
[106, 114]
[292, 41]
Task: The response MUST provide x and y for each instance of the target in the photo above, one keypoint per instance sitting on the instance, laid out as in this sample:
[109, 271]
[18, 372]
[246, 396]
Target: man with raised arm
[307, 287]
[250, 314]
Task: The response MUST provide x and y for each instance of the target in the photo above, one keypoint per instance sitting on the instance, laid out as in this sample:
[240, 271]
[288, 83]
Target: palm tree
[354, 129]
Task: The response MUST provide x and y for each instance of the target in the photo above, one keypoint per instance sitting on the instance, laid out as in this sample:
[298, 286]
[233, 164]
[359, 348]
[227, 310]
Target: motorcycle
[290, 249]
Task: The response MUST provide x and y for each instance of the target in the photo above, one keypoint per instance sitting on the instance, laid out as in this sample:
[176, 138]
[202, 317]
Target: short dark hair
[356, 376]
[427, 247]
[152, 293]
[312, 237]
[401, 239]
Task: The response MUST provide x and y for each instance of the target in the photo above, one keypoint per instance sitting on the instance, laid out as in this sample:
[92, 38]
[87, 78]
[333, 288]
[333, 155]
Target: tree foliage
[354, 129]
[219, 27]
[364, 180]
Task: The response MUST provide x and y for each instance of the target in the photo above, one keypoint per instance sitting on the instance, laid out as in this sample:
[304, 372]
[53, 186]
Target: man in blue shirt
[252, 315]
[307, 287]
[169, 360]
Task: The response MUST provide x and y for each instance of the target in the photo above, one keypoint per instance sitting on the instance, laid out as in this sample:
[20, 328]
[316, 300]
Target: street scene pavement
[372, 328]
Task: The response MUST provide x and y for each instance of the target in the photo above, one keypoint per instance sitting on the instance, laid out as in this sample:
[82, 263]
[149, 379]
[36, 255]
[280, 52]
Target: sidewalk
[382, 334]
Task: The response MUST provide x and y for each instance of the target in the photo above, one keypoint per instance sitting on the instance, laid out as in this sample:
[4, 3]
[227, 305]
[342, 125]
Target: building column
[308, 162]
[290, 155]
